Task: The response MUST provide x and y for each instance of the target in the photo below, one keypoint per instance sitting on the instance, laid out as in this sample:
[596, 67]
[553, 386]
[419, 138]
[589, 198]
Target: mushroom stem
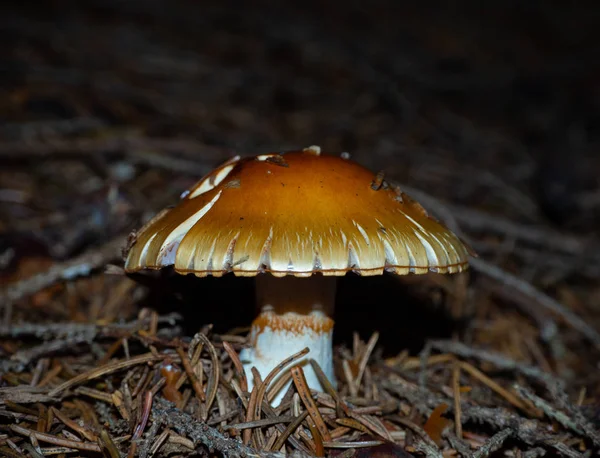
[294, 314]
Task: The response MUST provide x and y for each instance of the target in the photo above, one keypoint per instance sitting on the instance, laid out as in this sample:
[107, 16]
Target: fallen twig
[65, 271]
[48, 331]
[549, 410]
[497, 359]
[201, 433]
[107, 369]
[493, 444]
[89, 446]
[538, 297]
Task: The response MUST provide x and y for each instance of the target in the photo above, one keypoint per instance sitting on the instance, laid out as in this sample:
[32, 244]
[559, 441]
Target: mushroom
[295, 221]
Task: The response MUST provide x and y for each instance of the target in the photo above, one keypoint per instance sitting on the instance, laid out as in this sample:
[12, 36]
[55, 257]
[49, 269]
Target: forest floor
[110, 110]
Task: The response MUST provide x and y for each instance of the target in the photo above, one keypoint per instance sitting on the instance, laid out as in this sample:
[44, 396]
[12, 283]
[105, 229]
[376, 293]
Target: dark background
[510, 89]
[493, 108]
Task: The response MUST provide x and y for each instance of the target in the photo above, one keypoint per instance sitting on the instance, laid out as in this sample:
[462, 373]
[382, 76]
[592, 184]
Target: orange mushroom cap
[296, 213]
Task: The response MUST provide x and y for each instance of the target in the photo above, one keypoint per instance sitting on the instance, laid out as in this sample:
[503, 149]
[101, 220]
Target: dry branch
[202, 434]
[69, 270]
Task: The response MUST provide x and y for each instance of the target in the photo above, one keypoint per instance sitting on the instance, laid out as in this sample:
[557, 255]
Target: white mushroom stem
[294, 314]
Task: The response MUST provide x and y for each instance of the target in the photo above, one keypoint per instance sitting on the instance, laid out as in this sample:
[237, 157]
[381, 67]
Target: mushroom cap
[295, 213]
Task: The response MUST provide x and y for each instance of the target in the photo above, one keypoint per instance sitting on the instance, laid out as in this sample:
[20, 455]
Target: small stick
[289, 431]
[261, 423]
[185, 424]
[89, 435]
[49, 438]
[213, 381]
[352, 423]
[96, 394]
[414, 363]
[550, 411]
[276, 370]
[510, 397]
[538, 297]
[34, 448]
[270, 412]
[304, 392]
[493, 444]
[260, 390]
[239, 368]
[356, 444]
[190, 373]
[418, 430]
[109, 444]
[50, 375]
[109, 368]
[160, 440]
[340, 406]
[497, 359]
[111, 351]
[146, 408]
[456, 390]
[139, 429]
[13, 454]
[372, 424]
[349, 378]
[364, 360]
[251, 412]
[278, 385]
[317, 439]
[65, 271]
[40, 368]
